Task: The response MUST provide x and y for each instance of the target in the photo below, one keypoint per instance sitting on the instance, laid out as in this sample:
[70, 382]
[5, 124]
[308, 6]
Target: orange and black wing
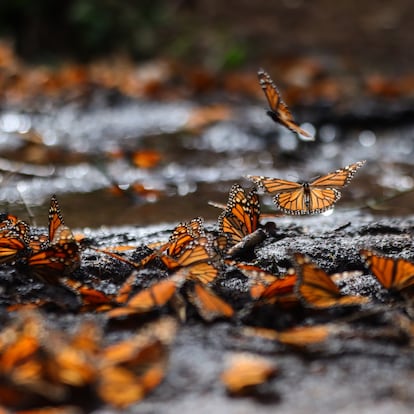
[54, 262]
[208, 304]
[55, 218]
[393, 274]
[317, 289]
[241, 216]
[339, 178]
[183, 234]
[151, 298]
[279, 111]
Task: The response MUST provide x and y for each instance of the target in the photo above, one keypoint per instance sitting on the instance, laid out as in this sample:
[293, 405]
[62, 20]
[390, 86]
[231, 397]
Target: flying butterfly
[61, 255]
[278, 110]
[241, 216]
[393, 274]
[317, 290]
[298, 198]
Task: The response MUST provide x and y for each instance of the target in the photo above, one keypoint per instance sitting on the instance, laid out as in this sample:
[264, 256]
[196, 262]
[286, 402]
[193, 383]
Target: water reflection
[196, 166]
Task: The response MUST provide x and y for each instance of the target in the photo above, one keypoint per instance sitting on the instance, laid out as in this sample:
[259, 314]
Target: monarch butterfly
[129, 369]
[61, 256]
[246, 370]
[151, 298]
[90, 297]
[278, 111]
[202, 272]
[198, 250]
[208, 304]
[307, 197]
[317, 289]
[258, 278]
[14, 238]
[183, 234]
[393, 274]
[241, 216]
[298, 336]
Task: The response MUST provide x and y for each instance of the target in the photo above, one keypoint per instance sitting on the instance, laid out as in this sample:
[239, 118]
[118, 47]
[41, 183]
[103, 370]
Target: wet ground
[196, 164]
[368, 366]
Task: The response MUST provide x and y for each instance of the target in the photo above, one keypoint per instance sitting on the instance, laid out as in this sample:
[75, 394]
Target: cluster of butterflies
[192, 263]
[40, 363]
[48, 256]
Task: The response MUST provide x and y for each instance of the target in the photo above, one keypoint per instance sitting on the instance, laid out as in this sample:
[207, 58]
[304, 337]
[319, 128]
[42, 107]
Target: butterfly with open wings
[317, 196]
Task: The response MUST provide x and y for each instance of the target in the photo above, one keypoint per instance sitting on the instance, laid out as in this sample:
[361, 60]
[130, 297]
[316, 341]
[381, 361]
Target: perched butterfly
[197, 251]
[279, 111]
[90, 297]
[317, 289]
[245, 371]
[298, 336]
[208, 304]
[183, 234]
[129, 369]
[393, 274]
[148, 299]
[308, 197]
[241, 216]
[61, 255]
[202, 272]
[14, 238]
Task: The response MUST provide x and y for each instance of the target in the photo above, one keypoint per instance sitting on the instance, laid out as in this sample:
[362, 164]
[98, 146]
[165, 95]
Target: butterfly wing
[397, 274]
[274, 185]
[339, 178]
[208, 304]
[183, 234]
[279, 111]
[55, 217]
[317, 289]
[241, 216]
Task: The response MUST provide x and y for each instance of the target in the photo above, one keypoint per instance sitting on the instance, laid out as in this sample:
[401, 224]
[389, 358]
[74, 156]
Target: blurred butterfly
[61, 256]
[131, 368]
[151, 298]
[317, 290]
[393, 274]
[307, 197]
[71, 360]
[298, 336]
[279, 111]
[208, 304]
[91, 299]
[245, 371]
[14, 238]
[241, 216]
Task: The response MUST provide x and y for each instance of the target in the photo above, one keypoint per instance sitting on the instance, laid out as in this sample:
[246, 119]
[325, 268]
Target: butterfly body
[299, 198]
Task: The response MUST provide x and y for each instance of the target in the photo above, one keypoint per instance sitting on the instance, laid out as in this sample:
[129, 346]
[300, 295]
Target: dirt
[368, 366]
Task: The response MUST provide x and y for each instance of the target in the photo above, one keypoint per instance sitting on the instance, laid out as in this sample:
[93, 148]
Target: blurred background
[139, 112]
